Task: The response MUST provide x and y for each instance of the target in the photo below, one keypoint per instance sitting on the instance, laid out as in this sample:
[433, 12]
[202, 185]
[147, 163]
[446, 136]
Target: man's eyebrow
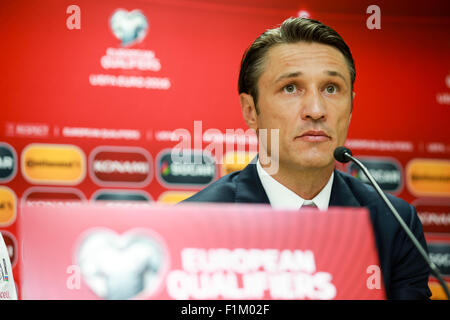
[288, 75]
[299, 73]
[335, 74]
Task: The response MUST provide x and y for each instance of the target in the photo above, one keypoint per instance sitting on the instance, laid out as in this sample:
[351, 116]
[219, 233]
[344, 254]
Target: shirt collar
[281, 197]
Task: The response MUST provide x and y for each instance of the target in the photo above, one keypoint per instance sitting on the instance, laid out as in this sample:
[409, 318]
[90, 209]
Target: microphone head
[340, 154]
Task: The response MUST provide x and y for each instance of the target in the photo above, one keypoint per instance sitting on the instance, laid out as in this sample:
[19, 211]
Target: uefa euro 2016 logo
[129, 27]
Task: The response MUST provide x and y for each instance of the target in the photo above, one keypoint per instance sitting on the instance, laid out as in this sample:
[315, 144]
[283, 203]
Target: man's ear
[351, 111]
[249, 110]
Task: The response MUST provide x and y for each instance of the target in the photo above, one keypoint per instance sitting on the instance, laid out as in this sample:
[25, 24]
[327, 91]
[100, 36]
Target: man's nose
[313, 106]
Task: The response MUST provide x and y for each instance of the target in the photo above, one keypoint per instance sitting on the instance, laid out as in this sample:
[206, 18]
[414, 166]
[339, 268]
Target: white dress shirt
[281, 197]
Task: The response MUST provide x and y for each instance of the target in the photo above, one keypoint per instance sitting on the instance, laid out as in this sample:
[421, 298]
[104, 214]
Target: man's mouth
[314, 136]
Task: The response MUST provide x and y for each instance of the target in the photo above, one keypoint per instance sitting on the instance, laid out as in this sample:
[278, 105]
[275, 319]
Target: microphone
[344, 155]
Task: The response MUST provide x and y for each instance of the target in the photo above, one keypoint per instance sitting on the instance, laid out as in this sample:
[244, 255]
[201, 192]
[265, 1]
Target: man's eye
[290, 88]
[331, 89]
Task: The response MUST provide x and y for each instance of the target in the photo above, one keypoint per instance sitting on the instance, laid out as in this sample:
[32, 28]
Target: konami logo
[52, 197]
[120, 166]
[434, 214]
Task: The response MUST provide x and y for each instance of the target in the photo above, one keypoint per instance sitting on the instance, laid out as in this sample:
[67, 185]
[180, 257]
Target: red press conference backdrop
[93, 93]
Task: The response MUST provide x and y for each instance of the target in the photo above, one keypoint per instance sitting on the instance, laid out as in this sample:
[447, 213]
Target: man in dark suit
[296, 92]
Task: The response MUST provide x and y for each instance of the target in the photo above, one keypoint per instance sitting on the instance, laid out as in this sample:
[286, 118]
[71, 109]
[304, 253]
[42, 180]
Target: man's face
[305, 92]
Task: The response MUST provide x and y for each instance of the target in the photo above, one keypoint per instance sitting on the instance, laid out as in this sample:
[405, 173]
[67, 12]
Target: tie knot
[309, 204]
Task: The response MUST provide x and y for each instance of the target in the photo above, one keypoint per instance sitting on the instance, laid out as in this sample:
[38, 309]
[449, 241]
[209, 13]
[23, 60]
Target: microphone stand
[433, 267]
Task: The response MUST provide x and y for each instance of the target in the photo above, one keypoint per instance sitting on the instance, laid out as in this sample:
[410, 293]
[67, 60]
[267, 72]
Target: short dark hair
[292, 30]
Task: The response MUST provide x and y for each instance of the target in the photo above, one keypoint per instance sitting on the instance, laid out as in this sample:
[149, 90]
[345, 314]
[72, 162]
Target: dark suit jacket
[405, 273]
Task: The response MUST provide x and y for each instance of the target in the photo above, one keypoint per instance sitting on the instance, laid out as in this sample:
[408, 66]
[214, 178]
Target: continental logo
[189, 168]
[53, 164]
[52, 197]
[173, 197]
[234, 161]
[120, 166]
[121, 196]
[386, 171]
[8, 206]
[437, 292]
[8, 162]
[428, 177]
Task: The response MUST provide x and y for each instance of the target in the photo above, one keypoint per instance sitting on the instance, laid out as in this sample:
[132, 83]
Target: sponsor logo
[120, 166]
[53, 164]
[8, 206]
[52, 197]
[8, 162]
[428, 177]
[121, 195]
[103, 133]
[437, 292]
[127, 266]
[443, 98]
[189, 168]
[380, 145]
[439, 253]
[129, 27]
[172, 197]
[387, 173]
[11, 246]
[435, 217]
[234, 161]
[27, 130]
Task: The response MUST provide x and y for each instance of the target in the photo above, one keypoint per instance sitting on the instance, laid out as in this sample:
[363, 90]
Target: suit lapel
[341, 194]
[249, 188]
